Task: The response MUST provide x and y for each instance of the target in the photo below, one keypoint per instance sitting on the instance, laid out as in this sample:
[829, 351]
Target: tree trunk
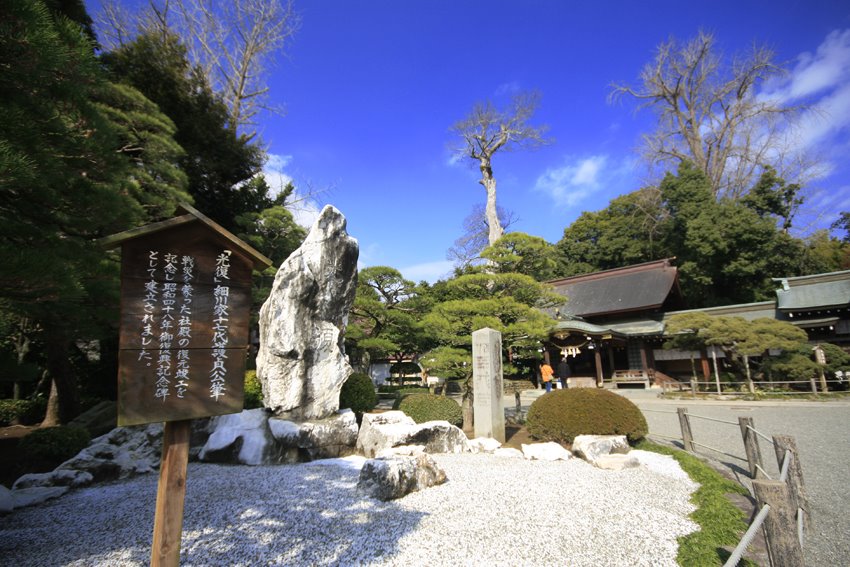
[51, 416]
[495, 230]
[22, 348]
[466, 406]
[749, 375]
[716, 371]
[67, 403]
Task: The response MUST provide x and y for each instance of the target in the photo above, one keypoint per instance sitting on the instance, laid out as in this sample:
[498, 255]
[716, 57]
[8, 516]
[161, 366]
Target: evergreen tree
[63, 186]
[219, 163]
[521, 253]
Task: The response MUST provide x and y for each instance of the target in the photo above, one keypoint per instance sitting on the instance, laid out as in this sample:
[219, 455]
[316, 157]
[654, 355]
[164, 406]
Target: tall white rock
[301, 364]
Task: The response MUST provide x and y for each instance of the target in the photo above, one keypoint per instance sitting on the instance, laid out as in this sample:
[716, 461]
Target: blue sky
[372, 87]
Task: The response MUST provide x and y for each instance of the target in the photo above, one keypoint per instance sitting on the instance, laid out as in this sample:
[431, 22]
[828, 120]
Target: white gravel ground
[492, 511]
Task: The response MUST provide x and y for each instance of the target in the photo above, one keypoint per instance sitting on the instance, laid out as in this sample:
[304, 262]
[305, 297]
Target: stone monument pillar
[487, 384]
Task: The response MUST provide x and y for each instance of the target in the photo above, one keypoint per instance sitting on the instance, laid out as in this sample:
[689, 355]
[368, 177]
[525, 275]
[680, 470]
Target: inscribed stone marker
[487, 384]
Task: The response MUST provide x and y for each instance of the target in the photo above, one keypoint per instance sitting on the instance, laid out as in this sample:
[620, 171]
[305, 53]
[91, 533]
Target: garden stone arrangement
[391, 471]
[300, 363]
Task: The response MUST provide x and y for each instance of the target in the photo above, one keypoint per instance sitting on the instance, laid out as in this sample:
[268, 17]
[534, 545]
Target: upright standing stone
[301, 363]
[487, 384]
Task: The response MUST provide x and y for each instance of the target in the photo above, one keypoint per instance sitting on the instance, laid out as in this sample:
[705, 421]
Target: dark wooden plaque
[185, 306]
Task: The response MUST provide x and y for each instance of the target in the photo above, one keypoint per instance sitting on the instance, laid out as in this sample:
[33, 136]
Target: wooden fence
[784, 514]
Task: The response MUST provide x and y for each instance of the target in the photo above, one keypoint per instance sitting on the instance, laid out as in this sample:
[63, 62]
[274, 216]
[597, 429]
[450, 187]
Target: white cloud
[304, 210]
[275, 174]
[820, 80]
[428, 271]
[580, 178]
[820, 72]
[831, 115]
[509, 88]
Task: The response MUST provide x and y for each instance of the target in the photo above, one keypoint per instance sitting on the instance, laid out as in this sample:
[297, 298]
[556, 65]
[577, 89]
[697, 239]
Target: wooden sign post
[185, 306]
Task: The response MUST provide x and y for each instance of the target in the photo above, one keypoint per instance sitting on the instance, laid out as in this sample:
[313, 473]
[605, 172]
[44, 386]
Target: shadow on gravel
[234, 515]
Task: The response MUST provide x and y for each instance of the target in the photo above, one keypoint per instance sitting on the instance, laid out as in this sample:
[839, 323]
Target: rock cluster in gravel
[492, 510]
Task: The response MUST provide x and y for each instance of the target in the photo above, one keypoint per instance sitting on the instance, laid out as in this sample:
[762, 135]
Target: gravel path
[492, 511]
[822, 433]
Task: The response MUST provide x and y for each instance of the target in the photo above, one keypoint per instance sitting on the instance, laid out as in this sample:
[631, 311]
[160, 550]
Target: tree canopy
[218, 163]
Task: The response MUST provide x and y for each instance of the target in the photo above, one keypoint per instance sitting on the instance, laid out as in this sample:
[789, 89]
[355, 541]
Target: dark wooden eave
[188, 214]
[645, 287]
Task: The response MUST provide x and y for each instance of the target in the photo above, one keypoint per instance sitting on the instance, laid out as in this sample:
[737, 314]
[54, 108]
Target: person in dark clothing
[564, 372]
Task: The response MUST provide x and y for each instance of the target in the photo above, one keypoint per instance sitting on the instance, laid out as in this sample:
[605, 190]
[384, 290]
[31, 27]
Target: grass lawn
[722, 524]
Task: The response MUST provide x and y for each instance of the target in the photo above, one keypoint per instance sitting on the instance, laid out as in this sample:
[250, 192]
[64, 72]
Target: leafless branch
[710, 113]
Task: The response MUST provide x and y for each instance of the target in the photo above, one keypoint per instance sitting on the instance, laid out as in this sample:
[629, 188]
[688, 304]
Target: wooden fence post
[694, 388]
[814, 386]
[780, 525]
[781, 444]
[170, 494]
[751, 446]
[685, 424]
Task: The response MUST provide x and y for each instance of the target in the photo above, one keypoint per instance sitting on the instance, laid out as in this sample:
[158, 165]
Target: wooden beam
[170, 494]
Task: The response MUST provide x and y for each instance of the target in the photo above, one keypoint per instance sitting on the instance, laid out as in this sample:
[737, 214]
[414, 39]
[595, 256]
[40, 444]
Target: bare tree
[712, 114]
[487, 130]
[467, 249]
[234, 43]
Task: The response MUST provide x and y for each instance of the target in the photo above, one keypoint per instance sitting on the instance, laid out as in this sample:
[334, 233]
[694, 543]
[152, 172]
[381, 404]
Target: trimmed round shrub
[358, 394]
[429, 407]
[54, 444]
[562, 415]
[25, 412]
[253, 391]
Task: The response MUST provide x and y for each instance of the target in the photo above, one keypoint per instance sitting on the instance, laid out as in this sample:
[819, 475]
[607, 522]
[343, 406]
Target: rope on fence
[748, 538]
[762, 435]
[767, 476]
[713, 419]
[657, 411]
[718, 451]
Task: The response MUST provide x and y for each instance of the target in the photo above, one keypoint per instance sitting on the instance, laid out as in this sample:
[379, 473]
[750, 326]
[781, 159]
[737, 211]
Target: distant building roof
[642, 287]
[749, 311]
[808, 293]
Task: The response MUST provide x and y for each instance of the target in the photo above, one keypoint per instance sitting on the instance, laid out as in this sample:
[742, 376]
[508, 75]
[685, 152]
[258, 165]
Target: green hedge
[53, 444]
[25, 412]
[253, 391]
[562, 415]
[429, 407]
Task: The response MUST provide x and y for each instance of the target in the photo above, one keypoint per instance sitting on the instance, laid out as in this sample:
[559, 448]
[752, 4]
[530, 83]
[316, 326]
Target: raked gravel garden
[493, 510]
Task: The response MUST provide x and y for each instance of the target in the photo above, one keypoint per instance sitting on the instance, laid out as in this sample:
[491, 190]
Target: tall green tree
[510, 303]
[145, 138]
[218, 162]
[727, 251]
[385, 317]
[63, 186]
[820, 253]
[521, 253]
[628, 231]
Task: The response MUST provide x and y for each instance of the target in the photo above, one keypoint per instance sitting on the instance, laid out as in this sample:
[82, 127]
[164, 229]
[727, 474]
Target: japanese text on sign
[167, 319]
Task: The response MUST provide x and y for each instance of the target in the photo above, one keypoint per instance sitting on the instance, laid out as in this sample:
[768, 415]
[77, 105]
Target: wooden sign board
[185, 306]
